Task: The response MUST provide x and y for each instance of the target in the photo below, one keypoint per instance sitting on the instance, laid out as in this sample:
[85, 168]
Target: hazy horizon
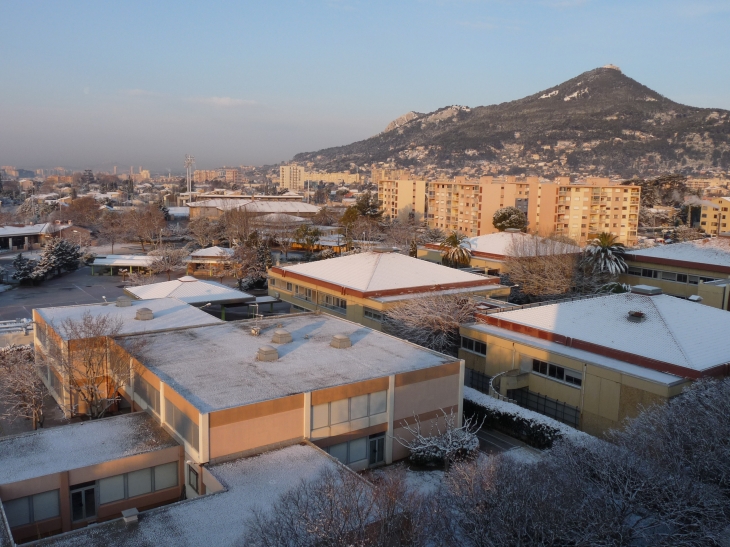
[95, 85]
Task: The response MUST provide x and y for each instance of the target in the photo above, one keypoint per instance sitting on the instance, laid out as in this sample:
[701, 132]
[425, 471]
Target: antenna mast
[189, 162]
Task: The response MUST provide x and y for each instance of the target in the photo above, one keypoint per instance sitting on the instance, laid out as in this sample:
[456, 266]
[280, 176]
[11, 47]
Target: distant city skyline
[89, 85]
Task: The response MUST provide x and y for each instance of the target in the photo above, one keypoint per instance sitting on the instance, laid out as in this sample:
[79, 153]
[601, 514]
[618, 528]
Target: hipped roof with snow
[192, 291]
[669, 334]
[232, 375]
[501, 244]
[379, 274]
[213, 252]
[169, 313]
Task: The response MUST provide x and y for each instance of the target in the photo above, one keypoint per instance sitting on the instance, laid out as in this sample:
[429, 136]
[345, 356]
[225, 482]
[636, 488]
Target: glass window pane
[358, 449]
[139, 482]
[111, 489]
[320, 416]
[90, 502]
[17, 512]
[378, 402]
[46, 506]
[358, 407]
[77, 505]
[339, 451]
[166, 476]
[339, 411]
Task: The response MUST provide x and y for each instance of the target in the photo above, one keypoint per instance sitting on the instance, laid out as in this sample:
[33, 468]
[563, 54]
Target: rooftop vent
[382, 249]
[341, 341]
[647, 290]
[695, 298]
[267, 353]
[281, 336]
[144, 314]
[130, 515]
[124, 302]
[187, 278]
[513, 230]
[636, 316]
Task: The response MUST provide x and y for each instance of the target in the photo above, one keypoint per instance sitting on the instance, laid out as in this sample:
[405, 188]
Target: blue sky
[91, 84]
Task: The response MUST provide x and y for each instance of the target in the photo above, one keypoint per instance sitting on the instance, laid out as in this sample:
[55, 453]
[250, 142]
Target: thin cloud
[141, 93]
[221, 102]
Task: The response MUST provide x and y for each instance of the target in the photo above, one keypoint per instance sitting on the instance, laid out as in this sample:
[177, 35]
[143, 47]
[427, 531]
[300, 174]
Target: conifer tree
[24, 269]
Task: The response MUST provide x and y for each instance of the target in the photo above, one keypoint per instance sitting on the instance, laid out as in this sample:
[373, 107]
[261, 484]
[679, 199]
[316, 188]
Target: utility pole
[189, 162]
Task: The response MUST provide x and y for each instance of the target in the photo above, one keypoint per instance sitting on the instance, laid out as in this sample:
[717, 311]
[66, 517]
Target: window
[634, 271]
[34, 508]
[350, 452]
[649, 273]
[193, 478]
[558, 373]
[303, 293]
[474, 345]
[137, 483]
[345, 410]
[373, 315]
[288, 287]
[681, 278]
[669, 276]
[333, 302]
[272, 281]
[182, 424]
[147, 393]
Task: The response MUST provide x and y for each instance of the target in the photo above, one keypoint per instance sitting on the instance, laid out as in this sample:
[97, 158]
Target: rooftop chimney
[267, 353]
[124, 302]
[341, 341]
[646, 290]
[144, 314]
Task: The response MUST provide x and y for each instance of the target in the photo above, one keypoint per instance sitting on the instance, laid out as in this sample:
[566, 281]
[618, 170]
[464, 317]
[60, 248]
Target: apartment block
[292, 177]
[578, 211]
[714, 215]
[401, 197]
[376, 175]
[339, 177]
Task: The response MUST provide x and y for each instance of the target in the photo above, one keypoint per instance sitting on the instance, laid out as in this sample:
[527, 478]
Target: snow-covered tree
[456, 250]
[444, 442]
[605, 254]
[58, 255]
[542, 267]
[21, 388]
[168, 260]
[431, 321]
[509, 217]
[24, 269]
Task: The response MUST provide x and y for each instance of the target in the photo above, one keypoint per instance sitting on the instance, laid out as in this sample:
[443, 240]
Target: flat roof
[409, 296]
[713, 251]
[215, 367]
[501, 244]
[672, 330]
[168, 313]
[374, 271]
[123, 260]
[74, 446]
[192, 291]
[219, 519]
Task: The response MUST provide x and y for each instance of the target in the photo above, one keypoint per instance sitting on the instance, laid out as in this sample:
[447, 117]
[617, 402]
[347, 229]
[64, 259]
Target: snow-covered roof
[213, 252]
[74, 446]
[674, 331]
[233, 376]
[168, 313]
[259, 206]
[710, 251]
[124, 260]
[446, 292]
[31, 229]
[373, 272]
[192, 291]
[179, 211]
[218, 519]
[281, 218]
[500, 243]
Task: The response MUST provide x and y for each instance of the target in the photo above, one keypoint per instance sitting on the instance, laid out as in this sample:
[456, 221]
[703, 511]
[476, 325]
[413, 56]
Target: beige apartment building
[714, 216]
[339, 177]
[376, 175]
[400, 197]
[292, 177]
[578, 211]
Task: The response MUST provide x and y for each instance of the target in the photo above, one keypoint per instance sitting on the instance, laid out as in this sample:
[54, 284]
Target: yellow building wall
[670, 287]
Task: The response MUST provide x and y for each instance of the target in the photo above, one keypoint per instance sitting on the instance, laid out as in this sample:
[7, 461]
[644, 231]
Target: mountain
[601, 122]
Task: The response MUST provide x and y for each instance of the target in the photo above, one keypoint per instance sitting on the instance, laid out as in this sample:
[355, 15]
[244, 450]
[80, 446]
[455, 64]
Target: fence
[553, 408]
[477, 380]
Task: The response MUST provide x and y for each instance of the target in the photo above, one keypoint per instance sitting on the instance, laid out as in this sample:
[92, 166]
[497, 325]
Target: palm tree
[455, 248]
[606, 254]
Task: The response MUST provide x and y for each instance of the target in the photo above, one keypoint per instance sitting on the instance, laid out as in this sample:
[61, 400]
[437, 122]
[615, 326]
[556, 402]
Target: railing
[494, 388]
[546, 303]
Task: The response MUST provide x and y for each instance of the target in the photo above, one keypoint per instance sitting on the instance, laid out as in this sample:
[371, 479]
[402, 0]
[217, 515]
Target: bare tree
[445, 440]
[366, 230]
[235, 226]
[542, 267]
[113, 228]
[169, 259]
[431, 321]
[204, 231]
[93, 371]
[145, 224]
[21, 388]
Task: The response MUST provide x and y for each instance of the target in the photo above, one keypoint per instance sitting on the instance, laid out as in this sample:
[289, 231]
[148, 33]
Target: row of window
[345, 410]
[137, 483]
[669, 276]
[182, 424]
[36, 508]
[474, 345]
[373, 315]
[333, 302]
[557, 373]
[357, 450]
